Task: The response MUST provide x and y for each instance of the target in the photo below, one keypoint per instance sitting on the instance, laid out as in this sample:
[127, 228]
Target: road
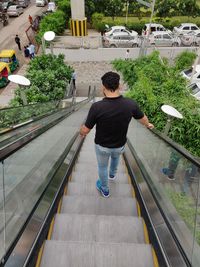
[18, 26]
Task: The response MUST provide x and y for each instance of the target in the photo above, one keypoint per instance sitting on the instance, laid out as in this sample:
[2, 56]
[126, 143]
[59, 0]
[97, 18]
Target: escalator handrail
[11, 148]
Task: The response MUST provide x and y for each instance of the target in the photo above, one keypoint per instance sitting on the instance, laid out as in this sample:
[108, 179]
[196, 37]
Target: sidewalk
[8, 93]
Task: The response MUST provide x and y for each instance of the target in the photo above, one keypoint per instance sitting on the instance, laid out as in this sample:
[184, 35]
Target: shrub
[153, 83]
[49, 78]
[55, 22]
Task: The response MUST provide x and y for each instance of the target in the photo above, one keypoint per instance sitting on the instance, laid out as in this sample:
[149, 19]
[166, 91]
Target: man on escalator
[112, 116]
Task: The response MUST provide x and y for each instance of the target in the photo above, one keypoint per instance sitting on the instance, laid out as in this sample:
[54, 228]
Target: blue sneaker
[99, 188]
[112, 178]
[166, 171]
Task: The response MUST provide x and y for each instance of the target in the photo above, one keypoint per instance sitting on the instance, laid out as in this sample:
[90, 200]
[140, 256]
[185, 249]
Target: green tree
[152, 84]
[114, 8]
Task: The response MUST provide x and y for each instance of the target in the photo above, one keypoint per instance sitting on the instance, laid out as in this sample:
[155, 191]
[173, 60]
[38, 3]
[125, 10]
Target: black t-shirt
[112, 117]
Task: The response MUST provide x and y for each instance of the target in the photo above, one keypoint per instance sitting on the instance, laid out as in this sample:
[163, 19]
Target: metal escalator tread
[92, 231]
[87, 176]
[82, 167]
[118, 206]
[100, 228]
[95, 254]
[89, 189]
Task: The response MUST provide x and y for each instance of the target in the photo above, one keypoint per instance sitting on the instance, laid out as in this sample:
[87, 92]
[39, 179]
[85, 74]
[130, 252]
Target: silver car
[121, 40]
[164, 39]
[191, 38]
[14, 11]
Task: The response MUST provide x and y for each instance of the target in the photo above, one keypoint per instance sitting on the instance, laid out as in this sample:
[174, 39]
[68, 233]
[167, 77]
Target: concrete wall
[78, 9]
[108, 54]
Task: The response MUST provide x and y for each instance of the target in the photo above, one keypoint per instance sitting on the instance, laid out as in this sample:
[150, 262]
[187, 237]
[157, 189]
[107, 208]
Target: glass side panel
[28, 171]
[2, 213]
[16, 115]
[175, 183]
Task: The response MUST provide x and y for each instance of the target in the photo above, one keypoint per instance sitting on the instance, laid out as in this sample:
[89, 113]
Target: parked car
[191, 38]
[23, 3]
[119, 29]
[185, 28]
[121, 39]
[7, 4]
[154, 28]
[51, 7]
[188, 74]
[13, 11]
[195, 90]
[164, 39]
[41, 2]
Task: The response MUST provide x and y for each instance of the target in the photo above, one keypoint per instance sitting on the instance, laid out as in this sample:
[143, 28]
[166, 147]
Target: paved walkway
[6, 94]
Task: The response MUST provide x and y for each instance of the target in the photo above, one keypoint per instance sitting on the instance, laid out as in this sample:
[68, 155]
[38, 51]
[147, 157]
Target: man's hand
[150, 126]
[84, 131]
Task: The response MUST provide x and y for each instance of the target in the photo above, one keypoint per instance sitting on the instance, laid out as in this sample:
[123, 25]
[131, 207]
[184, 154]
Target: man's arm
[84, 130]
[146, 122]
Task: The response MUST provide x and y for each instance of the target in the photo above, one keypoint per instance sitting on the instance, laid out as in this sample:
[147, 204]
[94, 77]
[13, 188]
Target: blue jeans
[103, 154]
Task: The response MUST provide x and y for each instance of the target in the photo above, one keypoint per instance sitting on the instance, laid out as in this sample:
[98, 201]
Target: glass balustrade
[25, 174]
[174, 180]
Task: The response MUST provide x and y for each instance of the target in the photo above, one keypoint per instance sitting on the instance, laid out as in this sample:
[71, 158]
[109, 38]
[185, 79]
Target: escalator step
[89, 189]
[91, 176]
[90, 254]
[88, 228]
[117, 206]
[84, 167]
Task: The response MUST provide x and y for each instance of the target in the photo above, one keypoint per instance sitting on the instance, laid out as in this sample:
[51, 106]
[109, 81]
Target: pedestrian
[74, 76]
[17, 41]
[127, 54]
[30, 19]
[31, 50]
[111, 116]
[26, 51]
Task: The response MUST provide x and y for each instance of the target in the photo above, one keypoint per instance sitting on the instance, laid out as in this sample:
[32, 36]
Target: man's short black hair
[110, 81]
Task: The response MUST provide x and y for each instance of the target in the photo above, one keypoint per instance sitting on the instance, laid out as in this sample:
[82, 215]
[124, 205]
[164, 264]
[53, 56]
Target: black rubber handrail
[28, 137]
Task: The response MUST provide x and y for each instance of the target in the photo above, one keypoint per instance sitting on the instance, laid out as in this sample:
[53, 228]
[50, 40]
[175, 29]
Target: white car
[124, 39]
[51, 7]
[191, 38]
[15, 11]
[185, 28]
[164, 39]
[41, 2]
[188, 74]
[154, 28]
[195, 90]
[119, 29]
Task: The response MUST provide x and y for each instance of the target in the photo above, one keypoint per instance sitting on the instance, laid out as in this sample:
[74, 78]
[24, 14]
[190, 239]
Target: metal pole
[168, 125]
[23, 95]
[127, 5]
[143, 50]
[43, 46]
[195, 63]
[51, 48]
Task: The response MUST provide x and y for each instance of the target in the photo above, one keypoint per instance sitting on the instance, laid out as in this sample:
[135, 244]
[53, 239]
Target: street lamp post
[49, 36]
[22, 82]
[171, 113]
[127, 5]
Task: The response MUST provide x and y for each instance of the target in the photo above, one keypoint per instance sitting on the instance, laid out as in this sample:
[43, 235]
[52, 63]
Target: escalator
[52, 214]
[90, 230]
